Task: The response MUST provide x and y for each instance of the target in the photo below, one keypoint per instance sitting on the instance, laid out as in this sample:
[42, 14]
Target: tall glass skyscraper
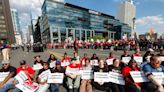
[62, 20]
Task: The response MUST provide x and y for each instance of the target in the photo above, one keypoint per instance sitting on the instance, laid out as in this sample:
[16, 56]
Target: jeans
[73, 83]
[43, 88]
[8, 85]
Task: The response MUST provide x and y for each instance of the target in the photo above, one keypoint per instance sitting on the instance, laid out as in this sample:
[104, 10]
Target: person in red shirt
[28, 71]
[130, 85]
[137, 53]
[82, 62]
[66, 58]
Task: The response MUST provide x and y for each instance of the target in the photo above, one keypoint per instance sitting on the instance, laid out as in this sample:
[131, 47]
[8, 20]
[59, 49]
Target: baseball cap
[58, 63]
[22, 62]
[5, 62]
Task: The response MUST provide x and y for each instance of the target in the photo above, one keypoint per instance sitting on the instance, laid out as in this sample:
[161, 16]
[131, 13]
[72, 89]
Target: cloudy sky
[149, 12]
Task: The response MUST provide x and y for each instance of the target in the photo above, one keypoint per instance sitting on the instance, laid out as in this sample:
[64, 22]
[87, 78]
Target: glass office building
[62, 20]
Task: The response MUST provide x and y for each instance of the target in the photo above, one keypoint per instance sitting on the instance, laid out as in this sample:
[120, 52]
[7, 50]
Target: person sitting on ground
[117, 69]
[130, 85]
[75, 55]
[73, 77]
[94, 57]
[153, 66]
[28, 71]
[82, 62]
[43, 85]
[86, 83]
[51, 58]
[161, 54]
[65, 58]
[111, 56]
[58, 69]
[38, 60]
[102, 67]
[7, 84]
[137, 53]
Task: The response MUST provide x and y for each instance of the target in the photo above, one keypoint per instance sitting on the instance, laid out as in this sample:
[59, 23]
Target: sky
[149, 13]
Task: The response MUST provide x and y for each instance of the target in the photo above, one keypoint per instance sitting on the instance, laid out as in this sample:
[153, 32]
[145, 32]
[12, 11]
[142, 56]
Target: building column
[73, 30]
[108, 34]
[90, 33]
[59, 34]
[93, 32]
[51, 35]
[113, 35]
[80, 33]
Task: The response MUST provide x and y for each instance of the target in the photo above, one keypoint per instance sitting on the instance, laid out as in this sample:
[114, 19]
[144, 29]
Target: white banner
[27, 86]
[109, 61]
[86, 74]
[126, 59]
[55, 78]
[94, 62]
[65, 63]
[3, 75]
[44, 75]
[159, 76]
[162, 58]
[116, 78]
[139, 60]
[138, 76]
[37, 66]
[21, 77]
[101, 77]
[52, 64]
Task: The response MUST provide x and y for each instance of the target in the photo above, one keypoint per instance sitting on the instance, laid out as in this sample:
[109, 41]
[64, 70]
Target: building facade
[61, 20]
[16, 26]
[6, 26]
[126, 13]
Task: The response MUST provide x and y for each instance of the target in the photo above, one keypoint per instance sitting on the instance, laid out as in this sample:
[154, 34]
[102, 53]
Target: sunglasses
[4, 64]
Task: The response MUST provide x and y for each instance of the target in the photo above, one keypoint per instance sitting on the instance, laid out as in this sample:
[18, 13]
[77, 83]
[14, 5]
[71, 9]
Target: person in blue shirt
[153, 66]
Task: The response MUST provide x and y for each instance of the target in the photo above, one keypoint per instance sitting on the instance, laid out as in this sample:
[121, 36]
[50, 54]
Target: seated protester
[101, 85]
[82, 62]
[37, 60]
[146, 58]
[122, 64]
[86, 84]
[65, 58]
[153, 66]
[130, 85]
[58, 69]
[73, 78]
[117, 69]
[125, 54]
[161, 54]
[111, 56]
[6, 84]
[43, 85]
[51, 58]
[137, 53]
[94, 57]
[27, 69]
[75, 55]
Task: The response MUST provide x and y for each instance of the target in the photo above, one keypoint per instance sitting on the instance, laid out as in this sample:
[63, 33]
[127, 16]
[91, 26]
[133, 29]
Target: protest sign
[44, 75]
[55, 78]
[138, 76]
[126, 59]
[116, 78]
[139, 60]
[159, 76]
[162, 58]
[21, 77]
[86, 74]
[65, 63]
[27, 86]
[101, 77]
[109, 61]
[3, 75]
[52, 64]
[94, 62]
[37, 66]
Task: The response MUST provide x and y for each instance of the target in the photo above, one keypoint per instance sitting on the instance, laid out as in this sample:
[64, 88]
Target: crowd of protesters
[73, 82]
[129, 44]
